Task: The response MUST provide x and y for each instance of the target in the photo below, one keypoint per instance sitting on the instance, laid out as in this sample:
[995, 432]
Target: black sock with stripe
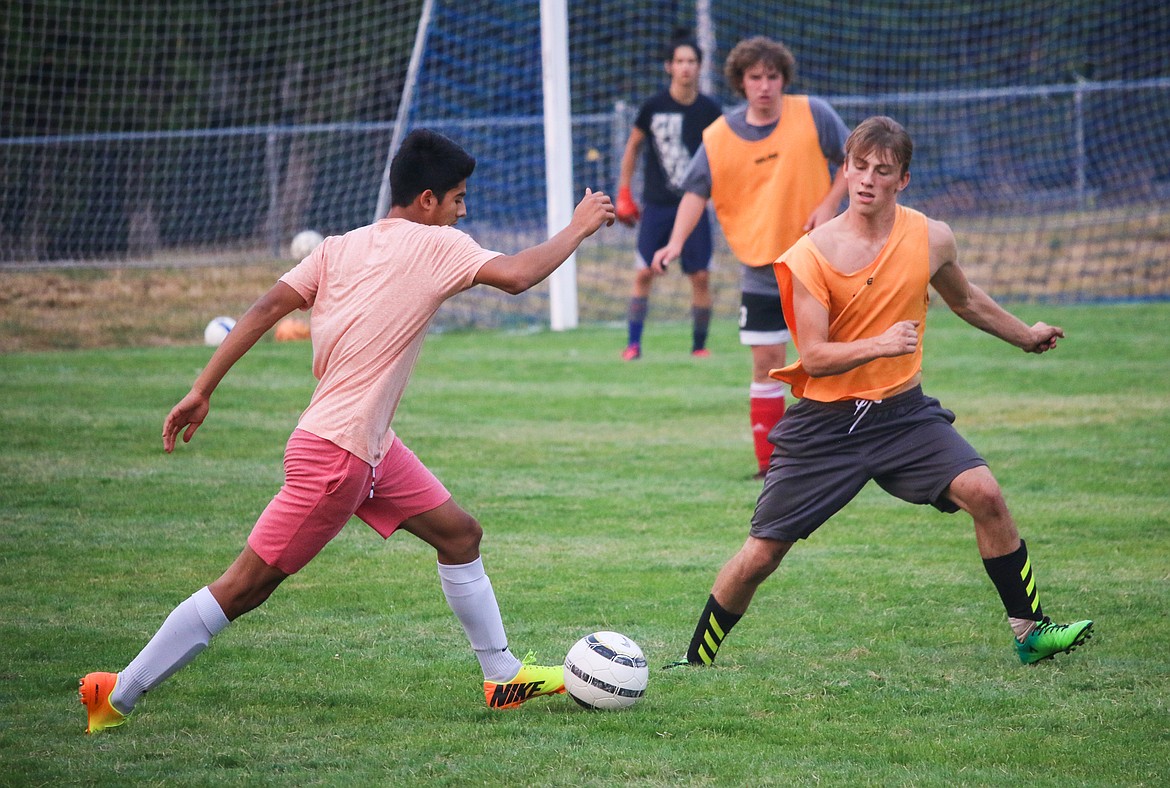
[713, 627]
[1012, 576]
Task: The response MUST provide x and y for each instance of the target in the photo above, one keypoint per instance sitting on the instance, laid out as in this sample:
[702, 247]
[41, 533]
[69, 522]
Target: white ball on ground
[606, 670]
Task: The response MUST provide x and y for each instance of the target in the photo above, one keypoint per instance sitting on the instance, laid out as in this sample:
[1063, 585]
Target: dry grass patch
[1098, 255]
[123, 307]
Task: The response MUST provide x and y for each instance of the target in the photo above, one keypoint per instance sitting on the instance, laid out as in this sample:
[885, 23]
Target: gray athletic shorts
[827, 451]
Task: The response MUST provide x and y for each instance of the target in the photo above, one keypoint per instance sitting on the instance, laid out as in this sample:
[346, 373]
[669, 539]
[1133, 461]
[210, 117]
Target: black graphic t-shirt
[674, 132]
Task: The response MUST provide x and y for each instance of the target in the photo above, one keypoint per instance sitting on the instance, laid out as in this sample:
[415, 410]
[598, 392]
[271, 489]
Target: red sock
[765, 412]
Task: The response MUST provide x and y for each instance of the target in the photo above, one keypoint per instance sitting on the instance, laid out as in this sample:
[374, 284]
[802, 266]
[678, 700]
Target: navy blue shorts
[654, 232]
[827, 451]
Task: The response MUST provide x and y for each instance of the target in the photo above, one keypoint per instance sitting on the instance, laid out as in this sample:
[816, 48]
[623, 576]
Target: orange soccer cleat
[95, 696]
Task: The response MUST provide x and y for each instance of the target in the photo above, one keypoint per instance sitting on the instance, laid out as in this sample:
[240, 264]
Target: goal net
[195, 133]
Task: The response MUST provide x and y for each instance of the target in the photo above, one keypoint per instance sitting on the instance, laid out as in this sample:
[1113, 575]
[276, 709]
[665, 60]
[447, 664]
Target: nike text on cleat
[531, 681]
[1049, 639]
[95, 696]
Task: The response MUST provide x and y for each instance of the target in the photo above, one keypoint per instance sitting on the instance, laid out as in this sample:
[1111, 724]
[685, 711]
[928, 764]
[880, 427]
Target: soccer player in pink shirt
[373, 292]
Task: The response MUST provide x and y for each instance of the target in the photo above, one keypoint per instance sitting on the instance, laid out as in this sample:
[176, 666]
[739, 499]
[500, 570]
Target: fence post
[1079, 136]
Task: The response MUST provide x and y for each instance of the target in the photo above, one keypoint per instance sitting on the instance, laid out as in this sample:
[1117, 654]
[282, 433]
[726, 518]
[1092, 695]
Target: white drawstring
[860, 408]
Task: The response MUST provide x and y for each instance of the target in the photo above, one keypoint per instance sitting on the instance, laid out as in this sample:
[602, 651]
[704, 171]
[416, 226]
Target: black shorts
[826, 452]
[761, 316]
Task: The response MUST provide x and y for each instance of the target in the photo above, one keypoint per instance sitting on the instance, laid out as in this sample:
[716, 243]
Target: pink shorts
[325, 485]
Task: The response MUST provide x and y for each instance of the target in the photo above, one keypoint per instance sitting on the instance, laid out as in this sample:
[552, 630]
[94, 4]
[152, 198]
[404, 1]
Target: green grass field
[610, 494]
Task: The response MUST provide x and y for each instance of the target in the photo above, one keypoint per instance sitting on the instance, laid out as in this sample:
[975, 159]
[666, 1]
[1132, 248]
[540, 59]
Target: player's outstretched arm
[190, 412]
[975, 306]
[517, 272]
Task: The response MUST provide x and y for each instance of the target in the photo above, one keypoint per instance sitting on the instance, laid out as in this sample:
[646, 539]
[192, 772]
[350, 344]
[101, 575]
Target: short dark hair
[884, 134]
[681, 38]
[758, 49]
[427, 160]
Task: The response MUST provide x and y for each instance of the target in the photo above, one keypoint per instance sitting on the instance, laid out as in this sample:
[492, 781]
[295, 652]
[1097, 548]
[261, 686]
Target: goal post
[558, 143]
[558, 155]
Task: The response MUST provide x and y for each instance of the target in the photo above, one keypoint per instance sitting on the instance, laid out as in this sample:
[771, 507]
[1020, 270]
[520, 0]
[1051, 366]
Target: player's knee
[760, 558]
[464, 538]
[979, 493]
[473, 532]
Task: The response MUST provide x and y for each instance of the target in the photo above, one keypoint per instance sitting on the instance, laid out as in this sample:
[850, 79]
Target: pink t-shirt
[373, 292]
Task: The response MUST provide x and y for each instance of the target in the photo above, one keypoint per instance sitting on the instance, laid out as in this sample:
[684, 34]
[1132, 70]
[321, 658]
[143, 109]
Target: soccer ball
[606, 670]
[217, 330]
[304, 242]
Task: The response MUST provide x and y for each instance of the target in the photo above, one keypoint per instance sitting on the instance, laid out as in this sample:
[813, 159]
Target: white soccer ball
[217, 330]
[606, 670]
[305, 242]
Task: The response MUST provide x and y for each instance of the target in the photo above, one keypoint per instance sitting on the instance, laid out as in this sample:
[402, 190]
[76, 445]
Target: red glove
[627, 210]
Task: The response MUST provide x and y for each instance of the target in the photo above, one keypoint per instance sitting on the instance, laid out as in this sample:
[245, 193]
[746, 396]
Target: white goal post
[558, 143]
[558, 155]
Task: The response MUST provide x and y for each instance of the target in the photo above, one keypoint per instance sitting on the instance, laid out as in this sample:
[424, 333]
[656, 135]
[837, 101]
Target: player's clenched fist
[1043, 338]
[899, 339]
[663, 257]
[594, 210]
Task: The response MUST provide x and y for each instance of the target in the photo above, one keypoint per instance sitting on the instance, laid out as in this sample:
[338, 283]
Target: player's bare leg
[976, 492]
[740, 577]
[246, 584]
[1005, 557]
[735, 585]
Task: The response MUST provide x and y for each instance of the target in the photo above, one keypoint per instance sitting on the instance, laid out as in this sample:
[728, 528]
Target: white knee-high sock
[472, 600]
[185, 633]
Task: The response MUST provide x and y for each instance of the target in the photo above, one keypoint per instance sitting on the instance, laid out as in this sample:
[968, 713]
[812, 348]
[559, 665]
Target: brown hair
[758, 49]
[880, 133]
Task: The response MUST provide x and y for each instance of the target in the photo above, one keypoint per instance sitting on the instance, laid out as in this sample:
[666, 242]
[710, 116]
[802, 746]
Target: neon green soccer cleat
[1048, 639]
[531, 681]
